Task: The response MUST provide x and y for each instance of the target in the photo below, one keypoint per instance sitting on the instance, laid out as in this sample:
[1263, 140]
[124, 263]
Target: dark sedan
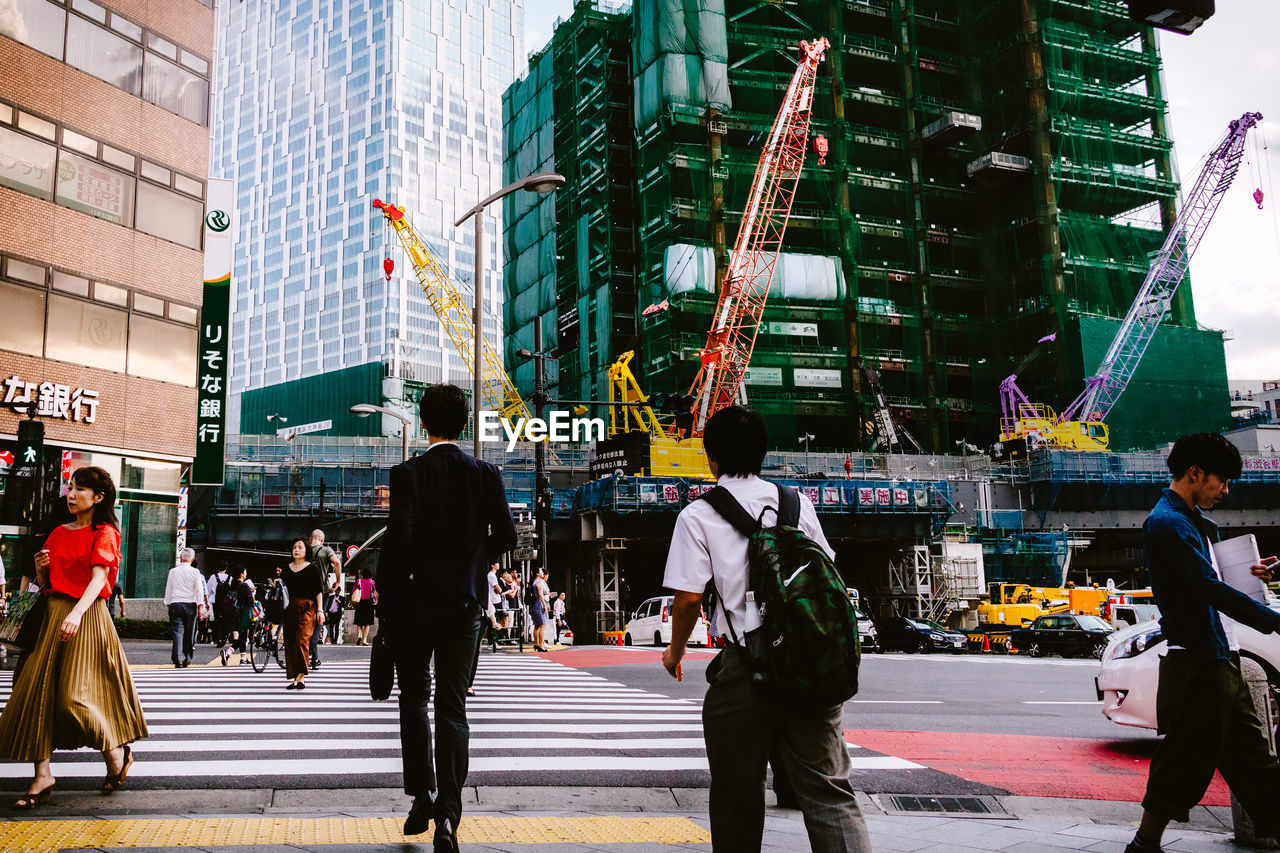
[918, 635]
[1065, 634]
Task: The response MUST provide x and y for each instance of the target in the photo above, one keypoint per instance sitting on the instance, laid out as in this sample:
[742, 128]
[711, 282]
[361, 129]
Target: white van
[651, 624]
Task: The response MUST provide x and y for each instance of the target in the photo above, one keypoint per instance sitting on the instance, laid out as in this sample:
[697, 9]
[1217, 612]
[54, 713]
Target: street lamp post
[541, 484]
[541, 183]
[806, 438]
[366, 409]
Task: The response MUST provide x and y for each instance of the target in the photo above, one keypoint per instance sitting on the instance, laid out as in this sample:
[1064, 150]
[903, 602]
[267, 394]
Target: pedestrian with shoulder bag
[76, 690]
[792, 658]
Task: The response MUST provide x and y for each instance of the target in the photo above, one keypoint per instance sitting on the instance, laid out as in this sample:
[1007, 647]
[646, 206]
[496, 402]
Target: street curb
[543, 798]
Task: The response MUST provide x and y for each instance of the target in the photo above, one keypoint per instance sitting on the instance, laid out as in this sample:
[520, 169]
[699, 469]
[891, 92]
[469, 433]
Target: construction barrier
[990, 643]
[611, 638]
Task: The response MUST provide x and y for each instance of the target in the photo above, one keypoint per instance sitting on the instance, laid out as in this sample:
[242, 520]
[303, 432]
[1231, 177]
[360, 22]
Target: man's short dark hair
[737, 439]
[1208, 451]
[443, 410]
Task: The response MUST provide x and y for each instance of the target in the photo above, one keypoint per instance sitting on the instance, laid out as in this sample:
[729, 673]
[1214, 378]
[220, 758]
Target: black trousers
[182, 622]
[449, 633]
[1205, 712]
[741, 730]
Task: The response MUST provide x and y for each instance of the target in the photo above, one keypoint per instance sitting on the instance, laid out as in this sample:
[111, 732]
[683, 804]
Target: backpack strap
[788, 506]
[731, 511]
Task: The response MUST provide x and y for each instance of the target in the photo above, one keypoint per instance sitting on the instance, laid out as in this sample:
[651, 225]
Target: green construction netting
[1180, 386]
[680, 54]
[1105, 263]
[529, 274]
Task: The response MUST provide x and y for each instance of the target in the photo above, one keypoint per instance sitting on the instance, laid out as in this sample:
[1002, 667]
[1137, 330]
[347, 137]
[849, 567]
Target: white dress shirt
[704, 544]
[185, 585]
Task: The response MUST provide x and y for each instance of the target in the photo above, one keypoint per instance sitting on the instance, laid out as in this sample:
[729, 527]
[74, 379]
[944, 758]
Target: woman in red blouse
[75, 689]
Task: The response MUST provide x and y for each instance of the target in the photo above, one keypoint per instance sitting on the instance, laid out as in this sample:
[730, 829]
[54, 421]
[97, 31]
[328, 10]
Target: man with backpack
[217, 593]
[327, 559]
[782, 679]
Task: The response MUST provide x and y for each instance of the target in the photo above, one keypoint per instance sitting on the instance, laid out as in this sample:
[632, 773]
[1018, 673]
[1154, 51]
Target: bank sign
[215, 331]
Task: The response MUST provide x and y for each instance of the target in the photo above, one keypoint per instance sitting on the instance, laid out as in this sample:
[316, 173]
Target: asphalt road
[997, 694]
[931, 724]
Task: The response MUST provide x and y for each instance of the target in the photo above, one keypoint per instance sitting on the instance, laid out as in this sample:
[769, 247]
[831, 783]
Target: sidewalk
[556, 820]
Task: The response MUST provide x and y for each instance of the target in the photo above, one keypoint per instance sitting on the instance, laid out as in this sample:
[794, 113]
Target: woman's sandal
[32, 801]
[115, 780]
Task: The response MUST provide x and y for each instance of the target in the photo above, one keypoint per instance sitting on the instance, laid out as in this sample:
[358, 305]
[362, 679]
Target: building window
[169, 215]
[35, 23]
[111, 51]
[160, 350]
[85, 333]
[94, 189]
[104, 55]
[26, 164]
[23, 327]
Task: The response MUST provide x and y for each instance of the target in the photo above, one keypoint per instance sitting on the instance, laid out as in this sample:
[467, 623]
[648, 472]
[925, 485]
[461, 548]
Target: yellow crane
[661, 454]
[498, 391]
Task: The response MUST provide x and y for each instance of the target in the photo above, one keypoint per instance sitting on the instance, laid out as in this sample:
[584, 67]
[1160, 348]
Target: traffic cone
[986, 642]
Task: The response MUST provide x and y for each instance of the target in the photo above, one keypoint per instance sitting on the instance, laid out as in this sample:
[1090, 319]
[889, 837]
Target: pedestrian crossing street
[533, 721]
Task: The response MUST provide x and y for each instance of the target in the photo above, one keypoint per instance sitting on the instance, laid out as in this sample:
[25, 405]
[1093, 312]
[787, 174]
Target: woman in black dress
[305, 584]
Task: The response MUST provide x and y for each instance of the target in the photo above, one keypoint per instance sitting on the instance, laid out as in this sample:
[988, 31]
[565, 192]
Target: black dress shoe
[445, 841]
[419, 819]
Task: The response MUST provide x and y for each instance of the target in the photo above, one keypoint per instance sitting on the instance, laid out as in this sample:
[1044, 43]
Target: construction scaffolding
[994, 173]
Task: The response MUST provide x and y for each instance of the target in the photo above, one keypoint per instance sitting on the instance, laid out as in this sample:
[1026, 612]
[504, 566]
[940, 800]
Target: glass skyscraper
[321, 106]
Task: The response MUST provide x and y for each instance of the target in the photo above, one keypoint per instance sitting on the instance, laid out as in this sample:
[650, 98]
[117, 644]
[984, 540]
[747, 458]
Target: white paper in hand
[1234, 558]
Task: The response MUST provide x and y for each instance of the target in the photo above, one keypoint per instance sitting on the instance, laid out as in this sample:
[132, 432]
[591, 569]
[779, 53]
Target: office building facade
[104, 141]
[323, 106]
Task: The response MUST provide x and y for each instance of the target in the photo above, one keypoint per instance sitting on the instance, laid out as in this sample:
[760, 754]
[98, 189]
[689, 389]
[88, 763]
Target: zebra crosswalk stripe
[531, 715]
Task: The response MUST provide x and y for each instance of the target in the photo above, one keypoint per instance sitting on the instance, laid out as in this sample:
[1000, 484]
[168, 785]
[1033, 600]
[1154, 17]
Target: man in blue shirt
[1203, 707]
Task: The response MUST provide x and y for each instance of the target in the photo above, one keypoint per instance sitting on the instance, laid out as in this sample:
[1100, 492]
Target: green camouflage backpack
[806, 652]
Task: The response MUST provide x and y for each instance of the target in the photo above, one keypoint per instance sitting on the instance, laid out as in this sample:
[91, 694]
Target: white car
[651, 624]
[1130, 671]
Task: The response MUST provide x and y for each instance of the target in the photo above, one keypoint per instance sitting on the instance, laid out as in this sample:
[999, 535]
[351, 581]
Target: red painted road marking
[1033, 766]
[605, 656]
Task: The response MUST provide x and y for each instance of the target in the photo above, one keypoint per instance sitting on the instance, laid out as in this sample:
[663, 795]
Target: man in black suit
[449, 519]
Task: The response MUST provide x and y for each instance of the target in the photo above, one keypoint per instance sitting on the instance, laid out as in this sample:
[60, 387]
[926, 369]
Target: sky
[1228, 66]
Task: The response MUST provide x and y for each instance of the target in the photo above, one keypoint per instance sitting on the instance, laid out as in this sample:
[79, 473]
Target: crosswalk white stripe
[240, 767]
[237, 712]
[363, 745]
[395, 715]
[326, 729]
[472, 705]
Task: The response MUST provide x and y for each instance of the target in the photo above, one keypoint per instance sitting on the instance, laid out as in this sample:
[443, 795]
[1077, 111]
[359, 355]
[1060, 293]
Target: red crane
[755, 254]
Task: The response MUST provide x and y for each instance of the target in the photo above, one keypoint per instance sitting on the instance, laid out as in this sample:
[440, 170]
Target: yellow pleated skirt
[72, 694]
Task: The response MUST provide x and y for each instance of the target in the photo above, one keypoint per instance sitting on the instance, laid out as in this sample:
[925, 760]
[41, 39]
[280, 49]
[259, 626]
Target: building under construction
[983, 176]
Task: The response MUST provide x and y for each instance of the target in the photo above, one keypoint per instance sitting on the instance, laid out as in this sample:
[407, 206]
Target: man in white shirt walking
[740, 727]
[184, 594]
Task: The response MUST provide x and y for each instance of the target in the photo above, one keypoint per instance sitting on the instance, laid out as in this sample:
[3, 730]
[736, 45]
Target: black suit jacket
[449, 520]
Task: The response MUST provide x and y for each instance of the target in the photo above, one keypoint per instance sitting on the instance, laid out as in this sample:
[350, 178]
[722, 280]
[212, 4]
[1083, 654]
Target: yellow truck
[1012, 605]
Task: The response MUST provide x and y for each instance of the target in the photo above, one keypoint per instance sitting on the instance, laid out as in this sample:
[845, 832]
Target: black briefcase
[382, 668]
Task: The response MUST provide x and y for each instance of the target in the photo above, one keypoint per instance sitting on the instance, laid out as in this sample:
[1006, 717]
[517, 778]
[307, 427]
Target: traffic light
[680, 405]
[30, 449]
[542, 499]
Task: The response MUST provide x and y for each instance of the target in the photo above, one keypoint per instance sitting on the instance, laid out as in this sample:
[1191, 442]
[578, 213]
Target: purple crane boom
[1103, 389]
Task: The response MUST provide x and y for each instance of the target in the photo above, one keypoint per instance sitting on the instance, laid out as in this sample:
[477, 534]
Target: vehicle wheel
[922, 646]
[657, 638]
[1098, 649]
[259, 654]
[626, 639]
[1035, 650]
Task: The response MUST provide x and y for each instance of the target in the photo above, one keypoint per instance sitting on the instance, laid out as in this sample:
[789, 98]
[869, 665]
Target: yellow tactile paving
[43, 836]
